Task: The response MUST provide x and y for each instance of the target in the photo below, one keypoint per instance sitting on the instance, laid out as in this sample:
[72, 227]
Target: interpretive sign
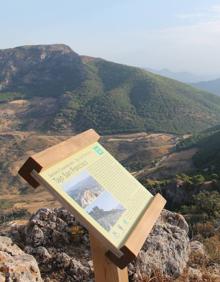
[99, 191]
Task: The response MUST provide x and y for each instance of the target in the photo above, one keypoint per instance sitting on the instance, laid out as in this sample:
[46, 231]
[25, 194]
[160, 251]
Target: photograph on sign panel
[83, 188]
[106, 210]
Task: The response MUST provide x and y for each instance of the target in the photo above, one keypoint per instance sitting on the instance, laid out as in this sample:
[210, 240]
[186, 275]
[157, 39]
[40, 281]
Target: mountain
[212, 86]
[85, 191]
[87, 198]
[106, 218]
[67, 92]
[41, 70]
[185, 77]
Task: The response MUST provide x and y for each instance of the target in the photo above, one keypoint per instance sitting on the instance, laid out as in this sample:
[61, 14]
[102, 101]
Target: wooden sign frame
[109, 263]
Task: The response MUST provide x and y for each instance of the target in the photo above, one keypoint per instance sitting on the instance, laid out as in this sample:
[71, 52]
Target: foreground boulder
[61, 247]
[61, 251]
[166, 250]
[15, 265]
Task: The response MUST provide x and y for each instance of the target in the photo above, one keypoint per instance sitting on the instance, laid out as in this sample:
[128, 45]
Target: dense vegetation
[208, 144]
[107, 96]
[209, 153]
[117, 98]
[202, 213]
[197, 197]
[9, 215]
[10, 96]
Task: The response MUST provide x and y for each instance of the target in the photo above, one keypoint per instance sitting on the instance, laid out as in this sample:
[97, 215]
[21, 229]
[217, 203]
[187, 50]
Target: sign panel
[101, 190]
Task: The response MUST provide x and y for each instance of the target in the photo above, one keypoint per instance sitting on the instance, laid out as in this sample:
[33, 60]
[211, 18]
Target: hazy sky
[174, 34]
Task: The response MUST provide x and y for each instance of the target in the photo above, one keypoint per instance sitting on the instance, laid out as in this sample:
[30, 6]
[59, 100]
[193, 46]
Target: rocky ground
[61, 248]
[16, 265]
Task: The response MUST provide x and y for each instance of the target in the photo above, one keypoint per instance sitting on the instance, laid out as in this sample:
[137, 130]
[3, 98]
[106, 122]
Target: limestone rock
[15, 265]
[166, 249]
[197, 247]
[42, 65]
[194, 274]
[49, 238]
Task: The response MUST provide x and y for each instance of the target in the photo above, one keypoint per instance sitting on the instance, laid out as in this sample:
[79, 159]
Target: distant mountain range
[185, 77]
[106, 219]
[91, 92]
[212, 86]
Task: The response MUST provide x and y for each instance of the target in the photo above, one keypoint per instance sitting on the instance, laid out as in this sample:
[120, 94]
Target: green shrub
[13, 215]
[5, 204]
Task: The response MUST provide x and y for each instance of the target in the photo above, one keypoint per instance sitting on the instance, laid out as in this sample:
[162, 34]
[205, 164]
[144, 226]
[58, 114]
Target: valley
[166, 133]
[151, 157]
[144, 154]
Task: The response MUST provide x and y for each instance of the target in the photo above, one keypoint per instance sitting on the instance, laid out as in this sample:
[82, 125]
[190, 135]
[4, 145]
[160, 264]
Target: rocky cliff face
[41, 70]
[15, 265]
[87, 198]
[64, 254]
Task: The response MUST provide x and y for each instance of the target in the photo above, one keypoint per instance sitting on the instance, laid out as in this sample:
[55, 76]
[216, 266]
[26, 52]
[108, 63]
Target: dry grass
[156, 276]
[212, 245]
[204, 230]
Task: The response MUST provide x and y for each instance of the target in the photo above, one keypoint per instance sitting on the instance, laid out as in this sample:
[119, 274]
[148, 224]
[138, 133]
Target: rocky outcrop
[87, 198]
[40, 70]
[166, 250]
[15, 265]
[61, 246]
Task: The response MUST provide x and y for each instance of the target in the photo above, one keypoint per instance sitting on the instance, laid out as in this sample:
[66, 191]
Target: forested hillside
[208, 144]
[91, 92]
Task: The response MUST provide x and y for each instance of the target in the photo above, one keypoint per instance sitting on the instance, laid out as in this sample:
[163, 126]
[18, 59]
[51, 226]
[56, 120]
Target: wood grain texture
[137, 237]
[55, 154]
[66, 148]
[105, 270]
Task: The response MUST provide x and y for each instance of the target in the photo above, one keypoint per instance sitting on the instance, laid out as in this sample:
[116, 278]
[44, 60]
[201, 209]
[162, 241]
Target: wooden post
[104, 269]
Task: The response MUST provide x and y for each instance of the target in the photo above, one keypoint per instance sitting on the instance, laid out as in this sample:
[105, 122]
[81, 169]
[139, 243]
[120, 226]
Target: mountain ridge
[92, 92]
[212, 86]
[182, 76]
